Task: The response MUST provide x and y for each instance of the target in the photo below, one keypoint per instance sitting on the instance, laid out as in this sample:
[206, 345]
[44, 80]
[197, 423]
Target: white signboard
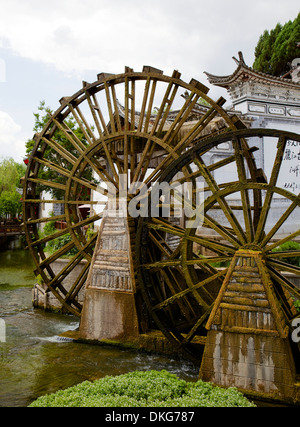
[289, 176]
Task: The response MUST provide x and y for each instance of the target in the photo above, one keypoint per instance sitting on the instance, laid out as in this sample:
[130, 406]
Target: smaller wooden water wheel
[238, 212]
[132, 125]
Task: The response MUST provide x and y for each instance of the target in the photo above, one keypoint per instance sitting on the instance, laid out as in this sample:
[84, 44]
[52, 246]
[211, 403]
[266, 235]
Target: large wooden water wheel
[152, 129]
[237, 214]
[132, 125]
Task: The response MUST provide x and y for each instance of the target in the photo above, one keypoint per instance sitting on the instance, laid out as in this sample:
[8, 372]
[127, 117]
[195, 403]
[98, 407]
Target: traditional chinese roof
[244, 73]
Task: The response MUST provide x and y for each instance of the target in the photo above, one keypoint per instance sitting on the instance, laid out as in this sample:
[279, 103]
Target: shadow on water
[34, 361]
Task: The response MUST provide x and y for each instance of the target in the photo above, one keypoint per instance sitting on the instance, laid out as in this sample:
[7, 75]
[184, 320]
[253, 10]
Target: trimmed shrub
[144, 389]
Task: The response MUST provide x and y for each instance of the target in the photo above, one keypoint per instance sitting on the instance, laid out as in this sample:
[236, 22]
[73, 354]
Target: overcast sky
[48, 47]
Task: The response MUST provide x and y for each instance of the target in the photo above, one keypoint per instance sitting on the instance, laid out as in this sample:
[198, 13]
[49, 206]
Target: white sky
[48, 47]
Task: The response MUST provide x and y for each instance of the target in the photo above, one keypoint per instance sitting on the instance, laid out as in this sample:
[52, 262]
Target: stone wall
[46, 300]
[248, 339]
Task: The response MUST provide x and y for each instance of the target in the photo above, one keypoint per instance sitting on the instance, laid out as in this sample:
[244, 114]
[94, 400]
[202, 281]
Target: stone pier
[109, 309]
[248, 339]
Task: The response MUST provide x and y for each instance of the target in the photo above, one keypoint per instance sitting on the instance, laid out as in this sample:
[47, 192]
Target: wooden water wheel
[152, 129]
[238, 212]
[131, 124]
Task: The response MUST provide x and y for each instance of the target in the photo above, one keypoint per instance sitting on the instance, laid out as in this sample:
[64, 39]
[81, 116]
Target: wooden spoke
[221, 201]
[272, 183]
[144, 108]
[208, 260]
[283, 281]
[181, 117]
[184, 143]
[82, 124]
[69, 134]
[49, 238]
[286, 254]
[60, 202]
[66, 248]
[284, 266]
[50, 165]
[46, 219]
[181, 294]
[188, 337]
[61, 151]
[46, 183]
[199, 127]
[280, 222]
[206, 242]
[109, 104]
[96, 114]
[77, 285]
[244, 193]
[228, 235]
[283, 240]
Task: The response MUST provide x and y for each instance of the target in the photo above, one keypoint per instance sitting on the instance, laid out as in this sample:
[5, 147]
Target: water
[35, 361]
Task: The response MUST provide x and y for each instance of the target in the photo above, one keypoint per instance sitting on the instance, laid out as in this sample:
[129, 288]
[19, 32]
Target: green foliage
[277, 49]
[142, 389]
[90, 232]
[10, 176]
[294, 260]
[42, 117]
[297, 305]
[49, 228]
[58, 243]
[10, 204]
[54, 245]
[202, 101]
[290, 246]
[220, 264]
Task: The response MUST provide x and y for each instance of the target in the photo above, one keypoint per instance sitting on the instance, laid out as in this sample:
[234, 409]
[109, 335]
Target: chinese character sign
[289, 177]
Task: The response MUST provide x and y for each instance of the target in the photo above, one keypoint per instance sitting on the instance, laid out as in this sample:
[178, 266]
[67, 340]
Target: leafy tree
[10, 199]
[41, 118]
[10, 175]
[264, 49]
[276, 49]
[10, 204]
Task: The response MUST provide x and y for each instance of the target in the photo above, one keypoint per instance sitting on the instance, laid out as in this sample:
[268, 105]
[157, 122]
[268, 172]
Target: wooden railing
[11, 229]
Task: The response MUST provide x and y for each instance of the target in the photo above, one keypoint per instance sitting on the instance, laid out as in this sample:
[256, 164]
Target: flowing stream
[35, 361]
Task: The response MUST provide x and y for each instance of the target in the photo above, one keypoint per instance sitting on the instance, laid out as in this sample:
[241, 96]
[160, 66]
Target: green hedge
[144, 389]
[290, 246]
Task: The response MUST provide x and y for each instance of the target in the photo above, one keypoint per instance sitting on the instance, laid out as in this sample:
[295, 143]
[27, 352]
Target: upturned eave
[245, 73]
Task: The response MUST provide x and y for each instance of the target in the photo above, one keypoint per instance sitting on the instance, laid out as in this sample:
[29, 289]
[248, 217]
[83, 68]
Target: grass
[144, 389]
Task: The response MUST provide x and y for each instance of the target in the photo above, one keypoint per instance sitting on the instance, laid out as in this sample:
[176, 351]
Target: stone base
[109, 309]
[44, 299]
[248, 343]
[108, 315]
[259, 364]
[152, 342]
